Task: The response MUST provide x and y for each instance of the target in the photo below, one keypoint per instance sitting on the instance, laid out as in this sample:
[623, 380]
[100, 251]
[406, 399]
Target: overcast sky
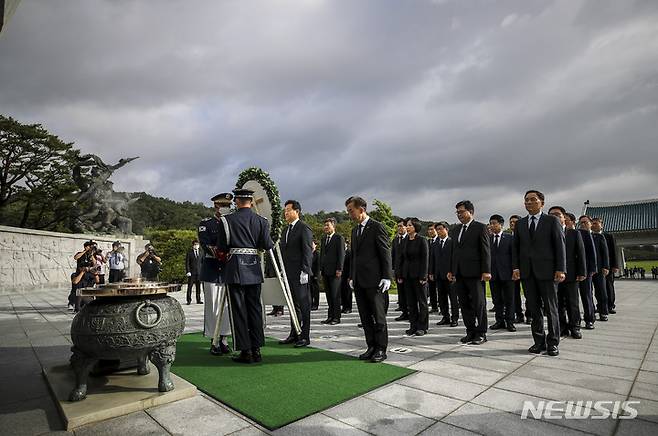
[417, 103]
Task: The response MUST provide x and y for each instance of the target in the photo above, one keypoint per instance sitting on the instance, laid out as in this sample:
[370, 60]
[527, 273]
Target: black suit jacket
[545, 253]
[441, 258]
[576, 258]
[370, 255]
[501, 257]
[297, 251]
[415, 256]
[396, 256]
[332, 255]
[590, 251]
[612, 250]
[472, 256]
[193, 263]
[602, 258]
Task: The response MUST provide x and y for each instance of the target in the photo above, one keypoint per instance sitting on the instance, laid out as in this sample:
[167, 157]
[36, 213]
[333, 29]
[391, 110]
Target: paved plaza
[457, 389]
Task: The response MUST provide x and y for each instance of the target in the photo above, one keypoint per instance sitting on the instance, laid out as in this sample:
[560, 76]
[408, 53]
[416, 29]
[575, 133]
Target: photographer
[83, 277]
[84, 259]
[150, 263]
[116, 260]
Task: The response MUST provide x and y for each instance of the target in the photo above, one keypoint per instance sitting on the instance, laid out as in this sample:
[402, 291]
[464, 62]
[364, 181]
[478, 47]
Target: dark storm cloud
[419, 104]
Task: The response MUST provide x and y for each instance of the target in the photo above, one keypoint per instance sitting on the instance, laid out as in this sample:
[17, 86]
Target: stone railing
[36, 259]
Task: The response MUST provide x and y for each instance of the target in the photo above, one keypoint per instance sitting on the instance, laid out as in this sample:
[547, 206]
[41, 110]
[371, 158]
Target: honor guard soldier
[211, 274]
[247, 233]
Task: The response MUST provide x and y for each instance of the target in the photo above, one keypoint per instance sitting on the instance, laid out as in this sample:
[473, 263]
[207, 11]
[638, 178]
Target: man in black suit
[539, 259]
[597, 227]
[332, 256]
[567, 291]
[396, 250]
[297, 250]
[431, 282]
[345, 289]
[193, 261]
[370, 277]
[518, 301]
[591, 262]
[439, 269]
[501, 284]
[602, 271]
[314, 279]
[470, 267]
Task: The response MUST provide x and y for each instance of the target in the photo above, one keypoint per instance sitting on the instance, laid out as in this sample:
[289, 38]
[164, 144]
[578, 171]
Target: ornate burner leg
[82, 365]
[162, 357]
[143, 365]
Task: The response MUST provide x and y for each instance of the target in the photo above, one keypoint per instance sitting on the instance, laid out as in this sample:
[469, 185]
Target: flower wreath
[257, 174]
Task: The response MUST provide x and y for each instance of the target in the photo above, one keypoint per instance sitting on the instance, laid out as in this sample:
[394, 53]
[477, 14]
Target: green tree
[172, 246]
[384, 214]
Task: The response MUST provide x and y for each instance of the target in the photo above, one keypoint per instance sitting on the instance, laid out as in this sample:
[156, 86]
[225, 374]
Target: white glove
[189, 274]
[351, 283]
[384, 285]
[303, 278]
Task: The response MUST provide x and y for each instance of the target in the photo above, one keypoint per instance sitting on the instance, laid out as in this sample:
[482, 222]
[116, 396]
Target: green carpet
[289, 384]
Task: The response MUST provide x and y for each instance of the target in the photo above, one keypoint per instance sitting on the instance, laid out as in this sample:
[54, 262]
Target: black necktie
[360, 230]
[464, 227]
[496, 241]
[532, 226]
[328, 239]
[288, 232]
[442, 241]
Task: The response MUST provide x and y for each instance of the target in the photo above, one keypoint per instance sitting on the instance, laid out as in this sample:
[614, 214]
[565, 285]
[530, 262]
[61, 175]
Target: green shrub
[172, 246]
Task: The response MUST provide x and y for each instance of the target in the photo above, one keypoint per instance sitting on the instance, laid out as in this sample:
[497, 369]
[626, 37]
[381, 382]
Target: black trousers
[567, 305]
[314, 288]
[502, 294]
[402, 298]
[193, 280]
[585, 290]
[518, 303]
[301, 298]
[416, 294]
[345, 294]
[116, 275]
[434, 297]
[610, 286]
[540, 293]
[446, 291]
[246, 317]
[473, 302]
[372, 306]
[601, 293]
[332, 292]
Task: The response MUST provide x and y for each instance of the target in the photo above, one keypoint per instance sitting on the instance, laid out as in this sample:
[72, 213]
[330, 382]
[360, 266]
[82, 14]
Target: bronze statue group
[558, 262]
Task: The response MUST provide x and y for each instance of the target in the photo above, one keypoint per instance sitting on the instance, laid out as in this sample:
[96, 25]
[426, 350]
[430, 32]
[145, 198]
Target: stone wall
[36, 259]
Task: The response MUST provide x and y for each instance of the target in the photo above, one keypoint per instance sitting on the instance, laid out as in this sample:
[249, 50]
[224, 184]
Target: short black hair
[560, 208]
[539, 194]
[295, 205]
[597, 219]
[402, 220]
[467, 205]
[571, 216]
[414, 222]
[514, 217]
[498, 218]
[356, 201]
[585, 216]
[195, 241]
[330, 220]
[443, 224]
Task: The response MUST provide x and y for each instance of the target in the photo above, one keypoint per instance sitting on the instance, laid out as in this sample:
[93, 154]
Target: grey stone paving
[458, 389]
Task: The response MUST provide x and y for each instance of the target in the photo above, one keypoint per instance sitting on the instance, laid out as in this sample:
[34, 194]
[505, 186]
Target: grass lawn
[646, 264]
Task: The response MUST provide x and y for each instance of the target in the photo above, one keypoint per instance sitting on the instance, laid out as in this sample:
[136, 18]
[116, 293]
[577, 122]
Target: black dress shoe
[510, 327]
[528, 321]
[288, 340]
[199, 302]
[314, 307]
[552, 350]
[243, 357]
[334, 322]
[215, 351]
[272, 313]
[326, 321]
[603, 317]
[302, 343]
[454, 323]
[519, 319]
[255, 355]
[576, 334]
[444, 321]
[564, 333]
[397, 309]
[279, 313]
[368, 354]
[536, 349]
[403, 317]
[410, 332]
[589, 326]
[478, 340]
[468, 338]
[347, 311]
[224, 348]
[359, 325]
[612, 311]
[189, 302]
[498, 326]
[493, 309]
[434, 311]
[420, 332]
[378, 356]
